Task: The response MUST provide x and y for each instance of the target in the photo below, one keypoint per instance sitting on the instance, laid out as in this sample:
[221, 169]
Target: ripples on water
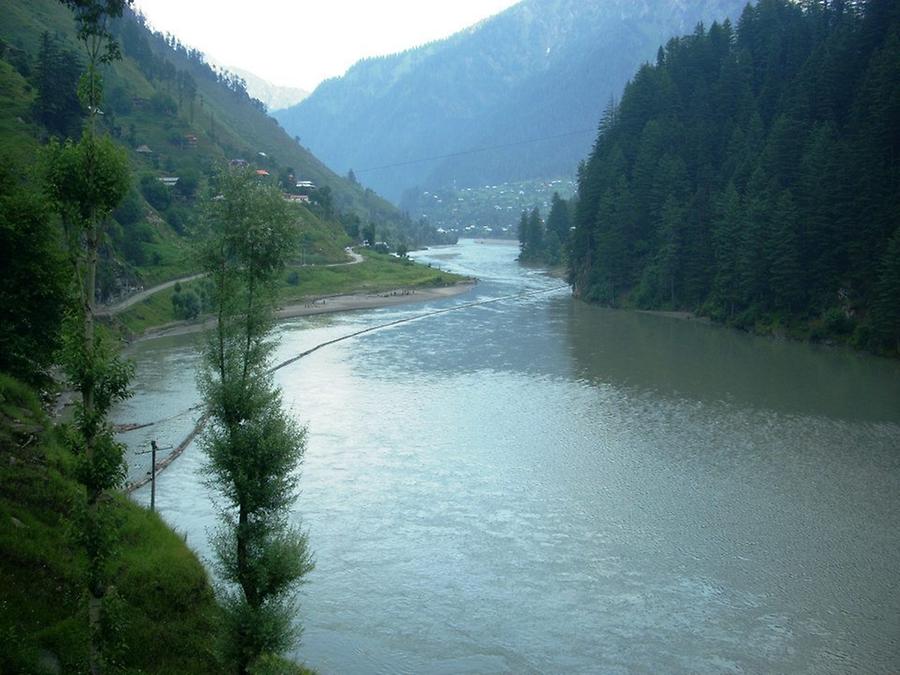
[542, 486]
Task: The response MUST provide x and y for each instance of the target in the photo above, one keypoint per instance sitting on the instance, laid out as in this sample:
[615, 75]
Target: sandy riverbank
[325, 305]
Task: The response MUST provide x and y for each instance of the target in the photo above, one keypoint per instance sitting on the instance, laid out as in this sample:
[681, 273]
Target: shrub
[155, 192]
[186, 305]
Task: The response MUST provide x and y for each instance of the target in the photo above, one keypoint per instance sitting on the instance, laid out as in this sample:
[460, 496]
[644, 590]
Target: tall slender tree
[86, 181]
[253, 448]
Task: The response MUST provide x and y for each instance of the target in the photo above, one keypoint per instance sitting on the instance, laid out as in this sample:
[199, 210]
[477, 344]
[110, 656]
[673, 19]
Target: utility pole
[153, 449]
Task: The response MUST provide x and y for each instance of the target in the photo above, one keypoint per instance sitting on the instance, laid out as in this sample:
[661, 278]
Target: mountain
[543, 69]
[751, 175]
[178, 117]
[274, 96]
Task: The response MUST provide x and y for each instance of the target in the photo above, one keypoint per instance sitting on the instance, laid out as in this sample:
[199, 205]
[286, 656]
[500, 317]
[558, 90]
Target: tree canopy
[752, 173]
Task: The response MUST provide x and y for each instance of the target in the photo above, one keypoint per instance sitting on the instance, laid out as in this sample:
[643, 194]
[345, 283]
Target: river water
[539, 485]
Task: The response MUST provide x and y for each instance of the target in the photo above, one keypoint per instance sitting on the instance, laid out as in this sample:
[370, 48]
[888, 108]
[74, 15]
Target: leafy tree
[86, 181]
[186, 305]
[253, 448]
[368, 234]
[34, 282]
[130, 210]
[155, 192]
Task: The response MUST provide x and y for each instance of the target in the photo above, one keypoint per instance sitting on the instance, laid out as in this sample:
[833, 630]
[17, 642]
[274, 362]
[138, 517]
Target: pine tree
[535, 234]
[785, 273]
[886, 307]
[728, 227]
[56, 104]
[668, 254]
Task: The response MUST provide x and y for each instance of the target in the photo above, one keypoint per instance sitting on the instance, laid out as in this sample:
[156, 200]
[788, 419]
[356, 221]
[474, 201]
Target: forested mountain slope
[542, 68]
[178, 118]
[754, 174]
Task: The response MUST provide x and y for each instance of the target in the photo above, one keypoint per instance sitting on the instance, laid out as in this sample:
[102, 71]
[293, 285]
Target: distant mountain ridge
[274, 96]
[541, 69]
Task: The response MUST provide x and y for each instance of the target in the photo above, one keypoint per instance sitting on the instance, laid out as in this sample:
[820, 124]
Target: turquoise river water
[537, 485]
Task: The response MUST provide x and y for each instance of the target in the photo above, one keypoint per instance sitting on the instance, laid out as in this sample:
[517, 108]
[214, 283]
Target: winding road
[122, 305]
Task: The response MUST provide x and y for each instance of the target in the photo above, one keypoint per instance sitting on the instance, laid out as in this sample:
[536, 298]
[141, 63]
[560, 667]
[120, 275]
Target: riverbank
[370, 274]
[675, 314]
[324, 305]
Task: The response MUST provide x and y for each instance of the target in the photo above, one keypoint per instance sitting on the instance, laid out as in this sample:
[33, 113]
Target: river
[537, 485]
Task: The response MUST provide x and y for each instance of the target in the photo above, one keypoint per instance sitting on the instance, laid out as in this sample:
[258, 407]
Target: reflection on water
[711, 363]
[539, 485]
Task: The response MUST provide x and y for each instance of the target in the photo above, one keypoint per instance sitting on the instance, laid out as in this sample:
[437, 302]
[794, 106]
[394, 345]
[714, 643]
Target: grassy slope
[225, 126]
[377, 274]
[167, 611]
[17, 141]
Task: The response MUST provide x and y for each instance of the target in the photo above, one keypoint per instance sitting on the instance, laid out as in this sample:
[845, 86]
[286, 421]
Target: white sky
[299, 43]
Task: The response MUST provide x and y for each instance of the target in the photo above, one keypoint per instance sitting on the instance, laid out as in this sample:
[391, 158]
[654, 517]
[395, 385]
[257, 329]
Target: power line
[473, 151]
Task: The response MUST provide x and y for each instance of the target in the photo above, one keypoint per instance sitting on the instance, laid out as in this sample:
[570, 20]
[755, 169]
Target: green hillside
[162, 594]
[178, 118]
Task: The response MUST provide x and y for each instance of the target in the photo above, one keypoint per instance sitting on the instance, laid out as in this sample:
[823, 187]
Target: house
[296, 199]
[144, 150]
[190, 140]
[168, 181]
[239, 163]
[262, 172]
[306, 184]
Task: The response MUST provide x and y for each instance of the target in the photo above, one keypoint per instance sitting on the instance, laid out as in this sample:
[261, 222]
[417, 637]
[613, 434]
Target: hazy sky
[301, 42]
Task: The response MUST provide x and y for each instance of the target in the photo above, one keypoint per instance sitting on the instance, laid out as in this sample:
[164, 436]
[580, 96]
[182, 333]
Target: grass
[164, 608]
[378, 273]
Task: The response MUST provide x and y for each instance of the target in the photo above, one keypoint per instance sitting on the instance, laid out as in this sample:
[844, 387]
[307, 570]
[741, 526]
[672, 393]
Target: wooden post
[153, 475]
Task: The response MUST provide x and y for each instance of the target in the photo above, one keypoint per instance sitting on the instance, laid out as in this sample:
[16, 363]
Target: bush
[130, 210]
[177, 218]
[186, 305]
[163, 104]
[837, 322]
[155, 192]
[188, 181]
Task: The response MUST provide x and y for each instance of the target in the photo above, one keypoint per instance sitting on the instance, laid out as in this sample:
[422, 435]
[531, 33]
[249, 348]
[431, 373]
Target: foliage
[57, 71]
[186, 305]
[86, 181]
[253, 447]
[752, 172]
[212, 124]
[155, 192]
[130, 210]
[35, 282]
[165, 606]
